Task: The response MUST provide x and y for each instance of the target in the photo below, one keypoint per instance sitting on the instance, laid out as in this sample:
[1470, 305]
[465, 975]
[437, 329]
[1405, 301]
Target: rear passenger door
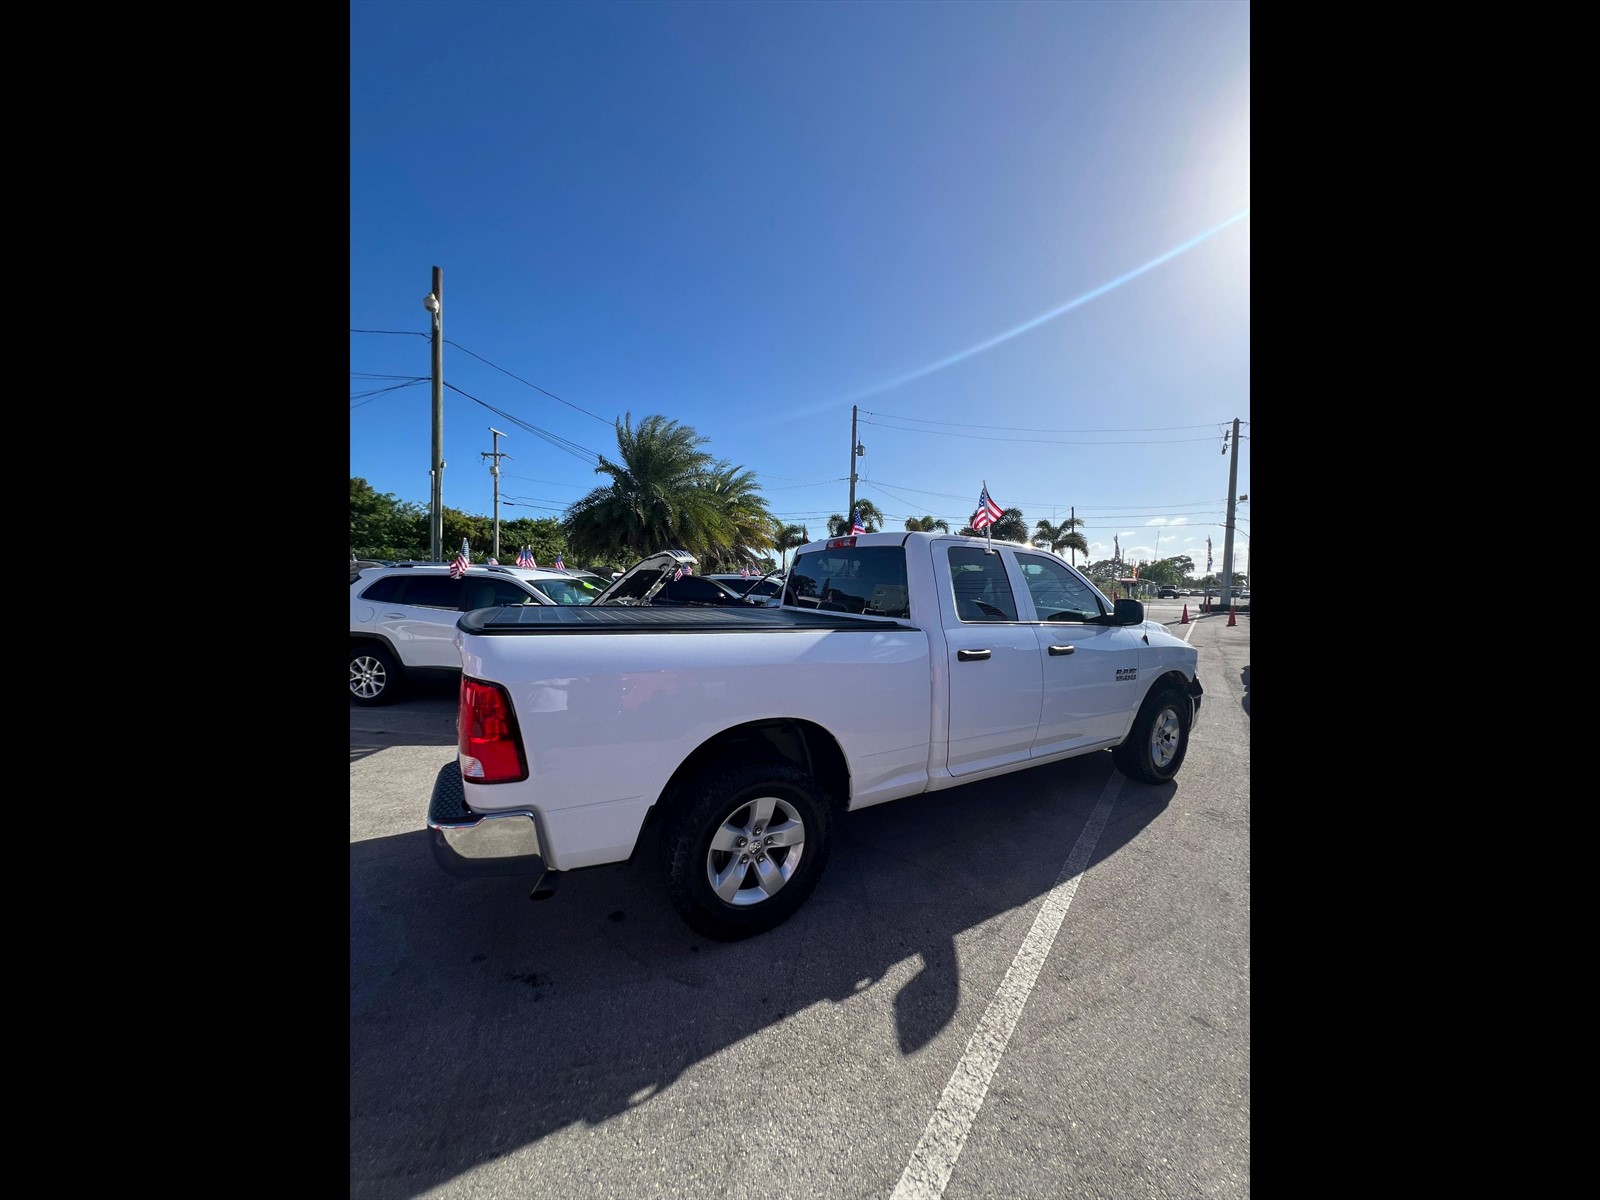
[992, 661]
[421, 621]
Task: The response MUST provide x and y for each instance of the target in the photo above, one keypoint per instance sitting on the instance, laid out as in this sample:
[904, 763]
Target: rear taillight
[486, 735]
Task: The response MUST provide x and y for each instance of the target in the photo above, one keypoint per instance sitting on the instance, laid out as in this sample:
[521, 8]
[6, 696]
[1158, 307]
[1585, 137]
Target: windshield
[567, 591]
[870, 580]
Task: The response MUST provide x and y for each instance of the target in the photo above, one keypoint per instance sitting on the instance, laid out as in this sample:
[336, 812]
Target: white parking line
[935, 1157]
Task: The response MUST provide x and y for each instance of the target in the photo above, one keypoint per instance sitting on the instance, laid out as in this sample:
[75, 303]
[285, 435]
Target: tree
[1062, 536]
[871, 519]
[667, 492]
[789, 537]
[749, 527]
[1011, 527]
[926, 524]
[383, 527]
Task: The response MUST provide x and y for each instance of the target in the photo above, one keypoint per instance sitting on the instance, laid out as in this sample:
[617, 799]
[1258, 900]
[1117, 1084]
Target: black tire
[1155, 747]
[375, 677]
[785, 825]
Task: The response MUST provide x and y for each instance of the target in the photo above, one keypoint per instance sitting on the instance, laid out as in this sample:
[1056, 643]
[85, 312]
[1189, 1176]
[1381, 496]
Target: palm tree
[926, 524]
[789, 537]
[666, 493]
[1064, 536]
[750, 528]
[871, 519]
[1011, 527]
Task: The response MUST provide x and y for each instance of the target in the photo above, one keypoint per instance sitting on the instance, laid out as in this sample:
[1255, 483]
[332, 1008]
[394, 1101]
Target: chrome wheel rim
[755, 851]
[367, 677]
[1164, 735]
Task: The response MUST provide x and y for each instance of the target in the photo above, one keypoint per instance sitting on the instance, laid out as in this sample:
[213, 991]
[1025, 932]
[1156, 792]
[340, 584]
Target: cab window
[978, 580]
[1058, 594]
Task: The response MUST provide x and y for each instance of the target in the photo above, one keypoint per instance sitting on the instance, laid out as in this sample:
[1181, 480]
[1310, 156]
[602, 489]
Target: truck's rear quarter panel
[608, 716]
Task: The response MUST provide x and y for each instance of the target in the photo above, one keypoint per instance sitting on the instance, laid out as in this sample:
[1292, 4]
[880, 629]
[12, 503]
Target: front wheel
[1154, 748]
[745, 845]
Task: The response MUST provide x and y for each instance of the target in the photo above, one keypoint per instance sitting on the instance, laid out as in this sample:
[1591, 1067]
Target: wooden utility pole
[494, 471]
[434, 303]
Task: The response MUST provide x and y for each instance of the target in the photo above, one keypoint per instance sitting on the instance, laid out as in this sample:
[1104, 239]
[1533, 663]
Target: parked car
[403, 617]
[700, 590]
[764, 590]
[1166, 592]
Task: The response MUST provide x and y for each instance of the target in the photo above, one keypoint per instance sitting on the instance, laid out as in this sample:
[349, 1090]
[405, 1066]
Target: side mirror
[1129, 612]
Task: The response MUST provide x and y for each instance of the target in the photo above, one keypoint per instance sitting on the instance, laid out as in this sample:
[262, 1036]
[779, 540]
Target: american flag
[678, 574]
[1208, 556]
[458, 564]
[855, 522]
[988, 511]
[525, 558]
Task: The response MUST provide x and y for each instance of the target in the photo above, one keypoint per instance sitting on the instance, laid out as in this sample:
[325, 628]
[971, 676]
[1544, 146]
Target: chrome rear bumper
[471, 843]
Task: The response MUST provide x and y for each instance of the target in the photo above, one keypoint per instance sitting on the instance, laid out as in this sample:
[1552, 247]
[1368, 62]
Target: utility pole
[1072, 514]
[494, 471]
[434, 303]
[856, 449]
[1227, 533]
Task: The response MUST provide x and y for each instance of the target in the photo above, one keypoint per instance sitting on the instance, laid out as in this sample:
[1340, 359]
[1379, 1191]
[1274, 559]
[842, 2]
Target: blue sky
[1016, 237]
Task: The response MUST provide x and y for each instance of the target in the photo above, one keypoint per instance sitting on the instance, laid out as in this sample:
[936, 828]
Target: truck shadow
[1244, 678]
[481, 1022]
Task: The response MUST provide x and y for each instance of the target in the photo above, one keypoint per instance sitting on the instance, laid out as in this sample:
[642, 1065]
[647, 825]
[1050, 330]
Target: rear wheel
[1154, 748]
[375, 677]
[745, 845]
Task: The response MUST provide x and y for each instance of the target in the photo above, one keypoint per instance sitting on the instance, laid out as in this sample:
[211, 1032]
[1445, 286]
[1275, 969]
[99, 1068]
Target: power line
[1029, 429]
[368, 396]
[1036, 441]
[534, 386]
[560, 443]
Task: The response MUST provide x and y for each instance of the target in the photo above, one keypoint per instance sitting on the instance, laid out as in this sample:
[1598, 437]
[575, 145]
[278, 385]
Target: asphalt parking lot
[1037, 986]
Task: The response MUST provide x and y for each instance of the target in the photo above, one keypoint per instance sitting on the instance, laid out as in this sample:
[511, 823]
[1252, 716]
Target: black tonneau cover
[620, 618]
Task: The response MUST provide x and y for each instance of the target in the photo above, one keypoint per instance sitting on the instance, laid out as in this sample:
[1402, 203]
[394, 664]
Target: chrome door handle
[1058, 650]
[970, 655]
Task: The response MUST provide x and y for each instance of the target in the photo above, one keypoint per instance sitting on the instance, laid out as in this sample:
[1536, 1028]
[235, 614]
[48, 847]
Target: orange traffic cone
[1232, 620]
[1185, 619]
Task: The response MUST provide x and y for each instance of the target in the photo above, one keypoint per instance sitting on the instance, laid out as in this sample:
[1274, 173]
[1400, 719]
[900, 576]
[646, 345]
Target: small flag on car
[458, 564]
[988, 511]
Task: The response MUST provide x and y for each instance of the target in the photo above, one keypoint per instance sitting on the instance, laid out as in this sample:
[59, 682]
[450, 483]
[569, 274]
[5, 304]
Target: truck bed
[574, 618]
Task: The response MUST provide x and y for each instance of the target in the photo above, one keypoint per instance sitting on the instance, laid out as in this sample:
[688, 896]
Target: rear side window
[387, 590]
[434, 591]
[870, 580]
[982, 591]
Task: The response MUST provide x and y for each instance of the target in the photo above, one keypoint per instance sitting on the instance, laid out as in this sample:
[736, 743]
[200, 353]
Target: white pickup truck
[896, 664]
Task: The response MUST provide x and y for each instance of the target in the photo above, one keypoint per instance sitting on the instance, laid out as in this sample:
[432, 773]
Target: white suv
[403, 618]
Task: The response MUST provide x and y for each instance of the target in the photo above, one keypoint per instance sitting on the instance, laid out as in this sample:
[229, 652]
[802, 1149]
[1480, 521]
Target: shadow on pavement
[1244, 677]
[481, 1022]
